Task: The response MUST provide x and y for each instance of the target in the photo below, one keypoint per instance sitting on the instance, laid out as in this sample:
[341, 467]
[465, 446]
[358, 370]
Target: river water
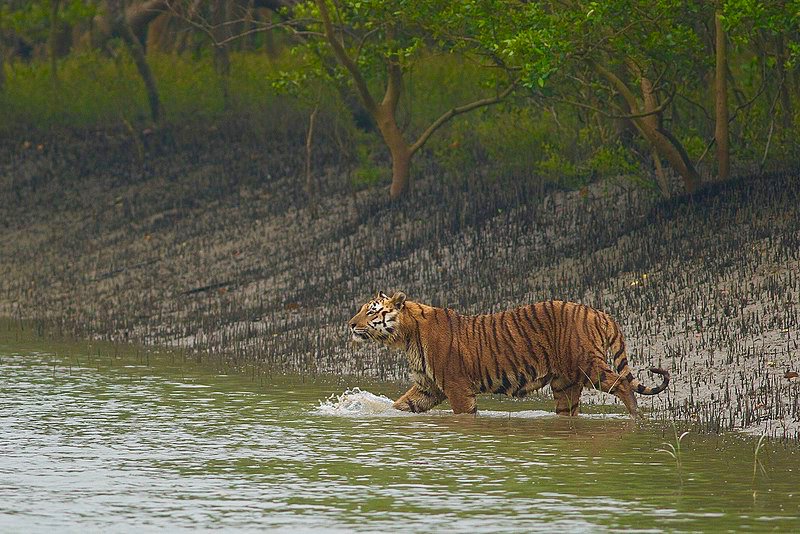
[101, 438]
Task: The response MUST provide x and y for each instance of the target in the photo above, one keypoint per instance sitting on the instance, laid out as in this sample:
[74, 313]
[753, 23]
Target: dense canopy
[561, 91]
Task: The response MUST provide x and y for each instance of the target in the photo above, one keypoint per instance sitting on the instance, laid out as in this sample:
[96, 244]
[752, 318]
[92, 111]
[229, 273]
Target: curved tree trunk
[721, 97]
[120, 25]
[137, 52]
[670, 149]
[384, 112]
[138, 17]
[663, 142]
[648, 124]
[399, 150]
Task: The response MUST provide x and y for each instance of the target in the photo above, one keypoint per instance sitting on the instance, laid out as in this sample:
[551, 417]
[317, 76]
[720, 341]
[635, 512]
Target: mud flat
[209, 245]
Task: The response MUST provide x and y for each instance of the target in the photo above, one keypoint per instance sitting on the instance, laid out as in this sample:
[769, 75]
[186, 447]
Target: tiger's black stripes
[492, 350]
[420, 350]
[508, 337]
[478, 347]
[423, 359]
[528, 343]
[544, 352]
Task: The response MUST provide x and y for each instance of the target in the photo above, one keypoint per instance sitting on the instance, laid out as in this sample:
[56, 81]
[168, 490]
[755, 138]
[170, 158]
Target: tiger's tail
[625, 373]
[641, 389]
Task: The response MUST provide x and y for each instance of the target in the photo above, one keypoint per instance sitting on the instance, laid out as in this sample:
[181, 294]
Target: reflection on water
[108, 444]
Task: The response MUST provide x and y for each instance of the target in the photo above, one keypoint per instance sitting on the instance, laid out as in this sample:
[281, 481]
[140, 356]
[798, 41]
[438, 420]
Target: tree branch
[141, 14]
[394, 85]
[655, 111]
[446, 116]
[192, 17]
[621, 87]
[346, 61]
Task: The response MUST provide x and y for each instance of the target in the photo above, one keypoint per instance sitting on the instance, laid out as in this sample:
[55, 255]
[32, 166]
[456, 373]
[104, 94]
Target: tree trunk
[161, 34]
[311, 183]
[786, 100]
[270, 45]
[399, 150]
[661, 177]
[384, 112]
[221, 32]
[664, 143]
[721, 98]
[401, 173]
[118, 22]
[53, 42]
[137, 52]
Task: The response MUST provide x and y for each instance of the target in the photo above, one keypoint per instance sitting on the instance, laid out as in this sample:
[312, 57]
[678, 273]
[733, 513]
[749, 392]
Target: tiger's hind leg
[568, 397]
[462, 401]
[610, 382]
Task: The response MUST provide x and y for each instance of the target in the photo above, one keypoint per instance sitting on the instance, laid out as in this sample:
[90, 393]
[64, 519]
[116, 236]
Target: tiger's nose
[352, 325]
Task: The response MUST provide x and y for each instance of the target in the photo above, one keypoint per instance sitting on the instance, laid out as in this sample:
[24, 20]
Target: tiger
[514, 352]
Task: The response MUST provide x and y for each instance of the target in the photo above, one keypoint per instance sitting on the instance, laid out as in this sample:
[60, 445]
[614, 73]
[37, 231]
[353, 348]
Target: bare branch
[197, 21]
[697, 105]
[655, 111]
[438, 123]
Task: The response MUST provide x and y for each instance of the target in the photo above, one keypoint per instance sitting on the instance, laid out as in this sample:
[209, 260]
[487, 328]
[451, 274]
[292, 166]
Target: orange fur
[514, 352]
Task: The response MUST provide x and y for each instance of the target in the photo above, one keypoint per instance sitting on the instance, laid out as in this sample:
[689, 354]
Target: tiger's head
[378, 319]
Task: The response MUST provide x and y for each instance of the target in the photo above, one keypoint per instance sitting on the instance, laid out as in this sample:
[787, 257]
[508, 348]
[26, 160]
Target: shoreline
[216, 252]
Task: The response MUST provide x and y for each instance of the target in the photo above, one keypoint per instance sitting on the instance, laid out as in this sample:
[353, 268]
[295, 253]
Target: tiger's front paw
[404, 406]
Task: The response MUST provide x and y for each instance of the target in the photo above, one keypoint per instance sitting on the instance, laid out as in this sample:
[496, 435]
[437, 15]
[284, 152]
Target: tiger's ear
[399, 299]
[381, 295]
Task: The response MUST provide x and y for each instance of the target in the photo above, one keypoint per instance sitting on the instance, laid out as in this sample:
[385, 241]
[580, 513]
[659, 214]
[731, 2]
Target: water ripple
[131, 447]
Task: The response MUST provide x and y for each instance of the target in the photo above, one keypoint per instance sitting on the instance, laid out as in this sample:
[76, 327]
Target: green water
[97, 442]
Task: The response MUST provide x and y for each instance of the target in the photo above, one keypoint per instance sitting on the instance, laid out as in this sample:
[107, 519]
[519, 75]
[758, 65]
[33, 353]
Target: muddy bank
[208, 244]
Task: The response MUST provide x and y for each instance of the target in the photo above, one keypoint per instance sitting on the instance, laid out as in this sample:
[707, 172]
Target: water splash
[358, 403]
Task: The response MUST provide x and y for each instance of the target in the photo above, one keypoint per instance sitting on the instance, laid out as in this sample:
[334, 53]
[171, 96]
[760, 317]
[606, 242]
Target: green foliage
[562, 125]
[438, 83]
[612, 160]
[366, 172]
[557, 168]
[695, 146]
[95, 90]
[525, 37]
[33, 18]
